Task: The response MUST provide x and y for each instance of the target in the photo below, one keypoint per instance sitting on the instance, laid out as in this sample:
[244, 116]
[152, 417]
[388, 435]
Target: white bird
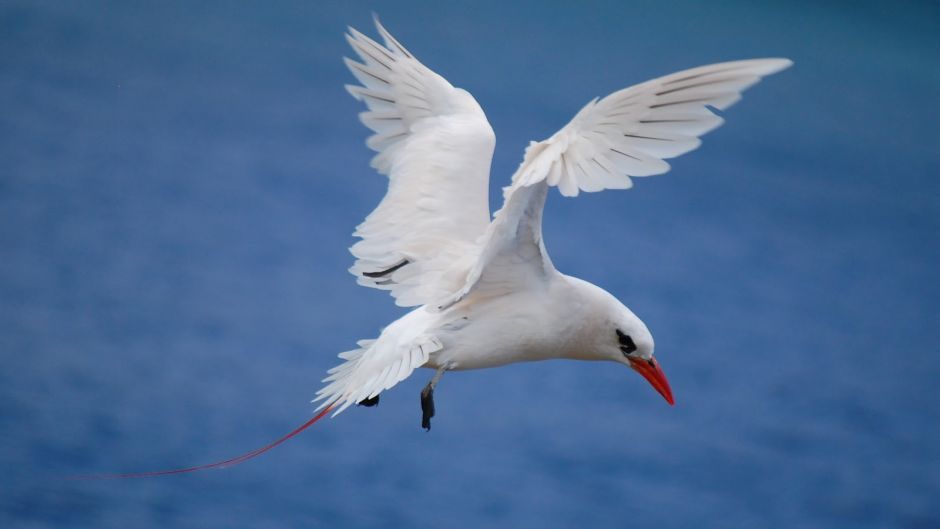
[486, 291]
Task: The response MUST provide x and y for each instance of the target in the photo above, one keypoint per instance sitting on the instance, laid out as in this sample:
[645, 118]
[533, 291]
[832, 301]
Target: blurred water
[178, 187]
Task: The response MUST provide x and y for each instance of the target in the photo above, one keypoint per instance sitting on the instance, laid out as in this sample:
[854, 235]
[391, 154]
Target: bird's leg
[427, 399]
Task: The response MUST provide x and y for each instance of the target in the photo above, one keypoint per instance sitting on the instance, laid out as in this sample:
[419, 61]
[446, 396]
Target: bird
[483, 288]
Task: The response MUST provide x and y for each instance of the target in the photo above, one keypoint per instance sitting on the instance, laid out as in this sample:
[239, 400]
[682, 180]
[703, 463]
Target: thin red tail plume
[218, 464]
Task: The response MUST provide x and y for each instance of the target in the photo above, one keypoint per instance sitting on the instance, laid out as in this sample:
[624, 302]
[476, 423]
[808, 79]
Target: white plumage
[486, 291]
[435, 145]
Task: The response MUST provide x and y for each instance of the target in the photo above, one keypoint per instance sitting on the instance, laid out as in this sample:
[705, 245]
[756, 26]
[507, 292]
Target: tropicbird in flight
[486, 291]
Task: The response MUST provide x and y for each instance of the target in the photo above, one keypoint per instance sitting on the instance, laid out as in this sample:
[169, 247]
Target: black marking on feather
[386, 138]
[378, 47]
[388, 37]
[374, 96]
[703, 74]
[703, 83]
[418, 107]
[362, 68]
[669, 121]
[646, 137]
[599, 164]
[387, 271]
[684, 101]
[625, 154]
[627, 101]
[365, 53]
[368, 403]
[578, 165]
[624, 113]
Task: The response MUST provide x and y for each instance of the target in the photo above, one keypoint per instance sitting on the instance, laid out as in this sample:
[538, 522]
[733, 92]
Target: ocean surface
[178, 187]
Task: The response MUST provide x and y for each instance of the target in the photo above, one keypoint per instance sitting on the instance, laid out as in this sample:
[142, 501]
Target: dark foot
[427, 407]
[368, 403]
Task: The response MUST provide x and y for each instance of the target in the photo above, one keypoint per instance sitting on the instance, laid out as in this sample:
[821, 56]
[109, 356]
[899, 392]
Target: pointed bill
[654, 375]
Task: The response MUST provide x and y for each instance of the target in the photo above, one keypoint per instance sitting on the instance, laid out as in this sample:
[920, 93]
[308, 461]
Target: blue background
[178, 186]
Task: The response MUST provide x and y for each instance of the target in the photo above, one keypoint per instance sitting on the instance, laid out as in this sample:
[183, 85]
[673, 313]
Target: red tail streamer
[218, 464]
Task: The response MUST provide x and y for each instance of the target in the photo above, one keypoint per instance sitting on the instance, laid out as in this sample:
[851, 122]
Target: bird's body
[485, 290]
[523, 326]
[554, 322]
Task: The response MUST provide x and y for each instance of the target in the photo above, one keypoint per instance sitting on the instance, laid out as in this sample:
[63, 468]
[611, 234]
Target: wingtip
[390, 41]
[772, 65]
[781, 63]
[761, 66]
[386, 36]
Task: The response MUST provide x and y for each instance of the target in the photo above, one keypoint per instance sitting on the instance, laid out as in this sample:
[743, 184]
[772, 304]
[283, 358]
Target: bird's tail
[218, 464]
[334, 393]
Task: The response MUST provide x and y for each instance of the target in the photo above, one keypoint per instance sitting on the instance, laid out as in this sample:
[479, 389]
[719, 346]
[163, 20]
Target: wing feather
[629, 133]
[377, 365]
[435, 144]
[632, 131]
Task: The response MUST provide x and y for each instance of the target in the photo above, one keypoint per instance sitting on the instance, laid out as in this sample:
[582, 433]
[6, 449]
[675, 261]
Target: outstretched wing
[628, 133]
[632, 131]
[435, 145]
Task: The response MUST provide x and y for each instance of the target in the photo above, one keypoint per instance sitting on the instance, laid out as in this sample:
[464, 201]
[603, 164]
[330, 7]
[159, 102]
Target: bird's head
[625, 339]
[638, 354]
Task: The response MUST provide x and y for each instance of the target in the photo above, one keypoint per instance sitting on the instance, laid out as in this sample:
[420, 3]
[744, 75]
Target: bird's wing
[377, 365]
[435, 145]
[372, 368]
[628, 133]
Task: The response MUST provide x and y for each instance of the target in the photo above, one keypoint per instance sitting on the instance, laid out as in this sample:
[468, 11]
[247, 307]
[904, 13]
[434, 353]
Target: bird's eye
[626, 343]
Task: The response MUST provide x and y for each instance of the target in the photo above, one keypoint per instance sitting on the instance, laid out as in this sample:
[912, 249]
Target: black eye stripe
[626, 343]
[622, 337]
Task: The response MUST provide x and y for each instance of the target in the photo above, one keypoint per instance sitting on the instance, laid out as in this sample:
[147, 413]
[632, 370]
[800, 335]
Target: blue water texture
[178, 188]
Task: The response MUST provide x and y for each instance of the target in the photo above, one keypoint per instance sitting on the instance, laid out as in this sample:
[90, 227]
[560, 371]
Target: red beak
[654, 375]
